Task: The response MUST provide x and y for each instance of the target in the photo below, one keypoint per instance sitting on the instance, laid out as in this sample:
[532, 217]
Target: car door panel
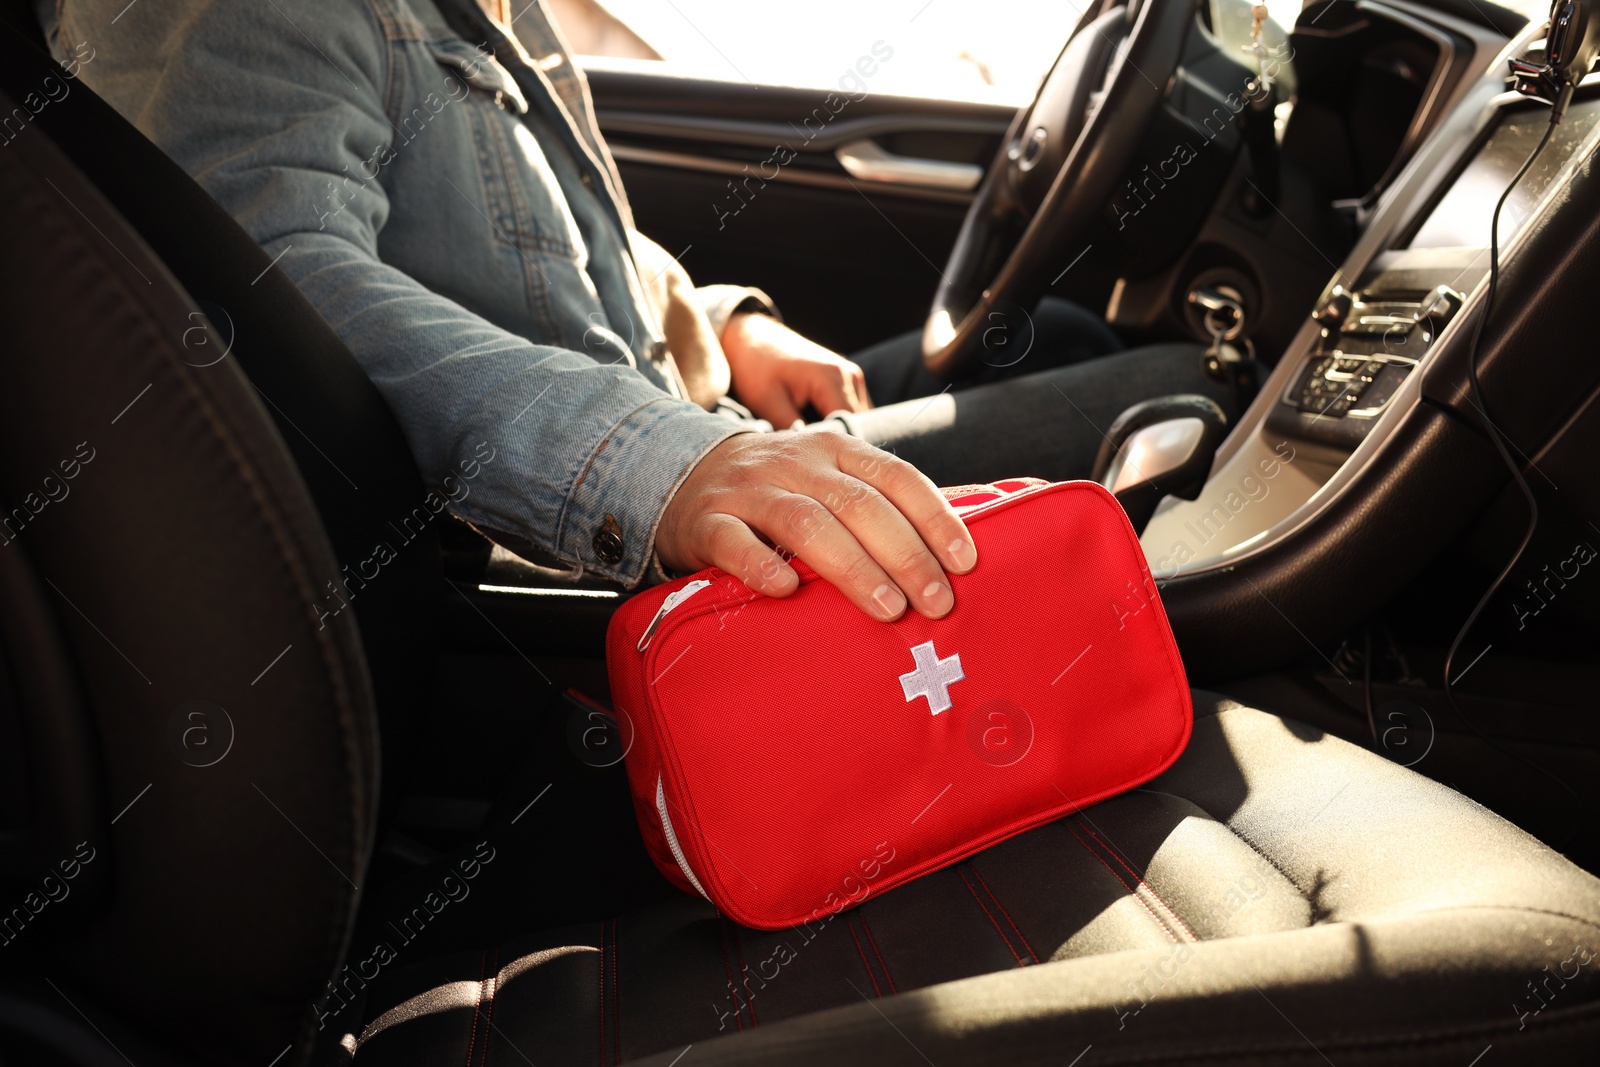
[746, 184]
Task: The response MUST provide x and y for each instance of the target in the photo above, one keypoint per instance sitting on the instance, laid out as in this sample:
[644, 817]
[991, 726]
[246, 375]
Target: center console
[1369, 344]
[1371, 337]
[1410, 289]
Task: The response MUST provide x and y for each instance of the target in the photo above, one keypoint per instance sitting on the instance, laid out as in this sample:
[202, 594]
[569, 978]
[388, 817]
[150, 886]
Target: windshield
[990, 51]
[994, 51]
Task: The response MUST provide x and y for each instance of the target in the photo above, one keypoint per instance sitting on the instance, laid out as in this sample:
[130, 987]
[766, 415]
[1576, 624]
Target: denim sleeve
[719, 302]
[267, 119]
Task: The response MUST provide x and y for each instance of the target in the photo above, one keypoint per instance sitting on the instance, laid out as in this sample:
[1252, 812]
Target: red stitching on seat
[616, 989]
[492, 984]
[1137, 898]
[973, 867]
[744, 976]
[1005, 940]
[738, 1009]
[602, 991]
[472, 1038]
[876, 989]
[878, 953]
[1114, 854]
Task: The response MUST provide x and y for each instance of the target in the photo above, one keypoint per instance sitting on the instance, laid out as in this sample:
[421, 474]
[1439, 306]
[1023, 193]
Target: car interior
[235, 829]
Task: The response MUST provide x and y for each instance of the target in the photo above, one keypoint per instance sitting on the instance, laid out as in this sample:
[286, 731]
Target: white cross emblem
[932, 678]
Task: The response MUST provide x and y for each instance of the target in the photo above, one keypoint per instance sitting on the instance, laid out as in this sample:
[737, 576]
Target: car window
[993, 51]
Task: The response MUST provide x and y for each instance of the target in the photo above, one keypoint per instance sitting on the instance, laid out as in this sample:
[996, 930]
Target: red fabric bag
[788, 758]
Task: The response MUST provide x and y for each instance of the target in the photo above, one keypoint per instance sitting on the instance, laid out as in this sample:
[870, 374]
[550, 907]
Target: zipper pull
[671, 602]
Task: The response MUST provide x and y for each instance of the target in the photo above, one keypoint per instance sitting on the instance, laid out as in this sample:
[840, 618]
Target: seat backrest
[163, 648]
[189, 458]
[343, 438]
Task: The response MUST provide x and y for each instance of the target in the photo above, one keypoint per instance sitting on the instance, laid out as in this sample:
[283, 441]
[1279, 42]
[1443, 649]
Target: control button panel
[1369, 343]
[1357, 386]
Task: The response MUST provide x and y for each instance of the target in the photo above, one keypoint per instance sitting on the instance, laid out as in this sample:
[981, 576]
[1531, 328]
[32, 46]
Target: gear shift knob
[1161, 447]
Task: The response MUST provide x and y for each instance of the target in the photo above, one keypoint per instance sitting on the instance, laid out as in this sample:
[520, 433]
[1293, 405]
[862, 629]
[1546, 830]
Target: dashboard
[1371, 78]
[1374, 337]
[1458, 218]
[1358, 85]
[1407, 292]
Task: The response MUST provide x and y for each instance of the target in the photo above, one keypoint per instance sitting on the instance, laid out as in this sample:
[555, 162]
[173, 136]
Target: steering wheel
[1059, 164]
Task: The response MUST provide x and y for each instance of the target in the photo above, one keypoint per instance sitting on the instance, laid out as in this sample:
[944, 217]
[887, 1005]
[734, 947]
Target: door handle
[869, 161]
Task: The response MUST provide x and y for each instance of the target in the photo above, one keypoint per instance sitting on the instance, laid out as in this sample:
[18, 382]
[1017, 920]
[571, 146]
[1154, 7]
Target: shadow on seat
[1278, 895]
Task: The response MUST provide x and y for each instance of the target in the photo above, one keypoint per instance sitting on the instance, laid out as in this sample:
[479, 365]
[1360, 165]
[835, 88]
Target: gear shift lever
[1161, 447]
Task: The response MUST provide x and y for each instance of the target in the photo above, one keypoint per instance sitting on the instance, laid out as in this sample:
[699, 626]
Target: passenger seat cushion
[1276, 886]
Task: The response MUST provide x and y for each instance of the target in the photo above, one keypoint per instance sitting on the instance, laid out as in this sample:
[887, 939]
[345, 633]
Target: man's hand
[866, 521]
[776, 372]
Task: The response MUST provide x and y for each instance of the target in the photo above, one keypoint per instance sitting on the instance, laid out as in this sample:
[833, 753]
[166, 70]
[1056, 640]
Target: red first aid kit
[790, 758]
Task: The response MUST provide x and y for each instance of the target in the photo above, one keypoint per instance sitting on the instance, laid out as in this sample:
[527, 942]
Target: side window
[991, 51]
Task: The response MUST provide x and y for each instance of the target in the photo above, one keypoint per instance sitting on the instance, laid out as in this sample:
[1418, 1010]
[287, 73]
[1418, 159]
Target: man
[432, 177]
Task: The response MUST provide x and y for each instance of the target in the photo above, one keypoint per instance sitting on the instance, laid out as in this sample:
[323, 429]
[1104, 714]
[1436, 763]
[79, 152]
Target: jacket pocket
[522, 196]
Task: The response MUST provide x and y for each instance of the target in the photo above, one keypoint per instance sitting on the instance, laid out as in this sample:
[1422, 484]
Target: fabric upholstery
[1277, 896]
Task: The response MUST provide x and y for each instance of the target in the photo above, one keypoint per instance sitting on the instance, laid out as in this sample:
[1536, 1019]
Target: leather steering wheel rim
[1127, 56]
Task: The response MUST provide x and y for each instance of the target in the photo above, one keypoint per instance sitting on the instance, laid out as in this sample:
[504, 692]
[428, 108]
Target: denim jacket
[452, 211]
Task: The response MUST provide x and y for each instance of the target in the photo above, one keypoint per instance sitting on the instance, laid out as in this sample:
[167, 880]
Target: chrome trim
[1385, 323]
[869, 161]
[1156, 450]
[1289, 390]
[796, 175]
[758, 133]
[539, 590]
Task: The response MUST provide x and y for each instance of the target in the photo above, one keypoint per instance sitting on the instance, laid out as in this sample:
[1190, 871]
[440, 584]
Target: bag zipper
[667, 605]
[672, 838]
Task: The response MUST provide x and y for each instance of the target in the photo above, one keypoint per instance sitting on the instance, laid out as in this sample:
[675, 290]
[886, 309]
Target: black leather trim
[1539, 321]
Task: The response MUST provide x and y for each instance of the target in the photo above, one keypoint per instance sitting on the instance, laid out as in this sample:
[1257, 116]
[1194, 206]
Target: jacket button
[608, 541]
